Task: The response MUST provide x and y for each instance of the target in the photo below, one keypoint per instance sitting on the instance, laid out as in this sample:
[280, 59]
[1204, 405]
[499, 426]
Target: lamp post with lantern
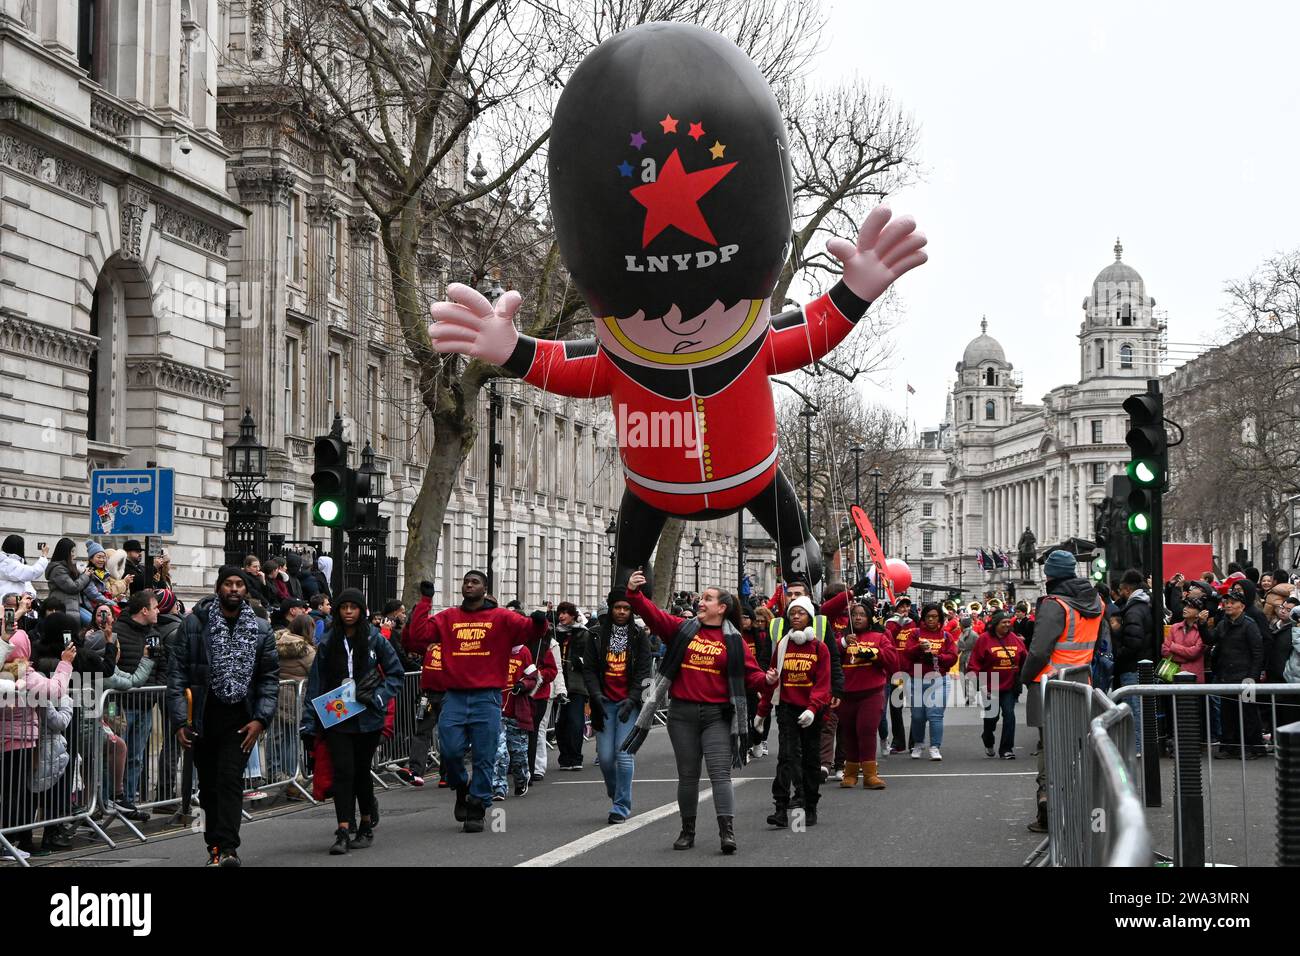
[697, 549]
[367, 551]
[248, 513]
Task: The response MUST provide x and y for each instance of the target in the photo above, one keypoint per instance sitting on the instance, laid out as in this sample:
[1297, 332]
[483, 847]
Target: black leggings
[354, 788]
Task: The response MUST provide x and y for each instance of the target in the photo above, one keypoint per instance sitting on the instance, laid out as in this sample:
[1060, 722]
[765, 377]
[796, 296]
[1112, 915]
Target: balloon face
[670, 188]
[899, 574]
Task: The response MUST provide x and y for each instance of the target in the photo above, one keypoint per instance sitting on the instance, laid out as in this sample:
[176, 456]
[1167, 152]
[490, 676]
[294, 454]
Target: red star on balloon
[697, 130]
[669, 124]
[674, 200]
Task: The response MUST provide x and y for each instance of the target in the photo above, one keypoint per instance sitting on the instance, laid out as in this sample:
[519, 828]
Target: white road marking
[884, 776]
[614, 831]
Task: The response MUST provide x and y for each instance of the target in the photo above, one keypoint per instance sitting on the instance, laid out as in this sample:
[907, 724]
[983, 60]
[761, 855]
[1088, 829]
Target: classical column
[321, 210]
[259, 334]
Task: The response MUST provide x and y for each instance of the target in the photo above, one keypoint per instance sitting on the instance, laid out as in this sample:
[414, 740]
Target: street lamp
[857, 451]
[377, 476]
[248, 513]
[697, 549]
[875, 475]
[611, 535]
[808, 414]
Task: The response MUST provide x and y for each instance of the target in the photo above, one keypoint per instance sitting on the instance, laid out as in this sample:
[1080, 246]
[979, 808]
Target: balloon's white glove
[471, 325]
[884, 251]
[806, 718]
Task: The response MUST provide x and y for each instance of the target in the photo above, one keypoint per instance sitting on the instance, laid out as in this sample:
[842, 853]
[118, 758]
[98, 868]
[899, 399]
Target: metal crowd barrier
[1094, 816]
[396, 750]
[1191, 731]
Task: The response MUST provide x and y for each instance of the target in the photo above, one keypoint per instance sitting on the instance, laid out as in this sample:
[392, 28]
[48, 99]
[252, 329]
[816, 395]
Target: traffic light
[331, 501]
[1148, 467]
[1099, 568]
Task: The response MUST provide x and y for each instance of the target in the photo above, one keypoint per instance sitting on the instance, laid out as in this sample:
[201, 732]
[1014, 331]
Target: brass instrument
[950, 606]
[974, 607]
[996, 604]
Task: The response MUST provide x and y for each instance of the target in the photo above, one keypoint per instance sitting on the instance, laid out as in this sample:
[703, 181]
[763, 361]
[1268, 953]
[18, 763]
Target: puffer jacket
[1186, 645]
[296, 656]
[64, 587]
[189, 671]
[1291, 672]
[1134, 642]
[1238, 650]
[52, 747]
[20, 718]
[16, 575]
[372, 718]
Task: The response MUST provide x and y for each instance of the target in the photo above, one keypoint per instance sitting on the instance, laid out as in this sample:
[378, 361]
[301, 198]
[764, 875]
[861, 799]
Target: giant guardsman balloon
[671, 196]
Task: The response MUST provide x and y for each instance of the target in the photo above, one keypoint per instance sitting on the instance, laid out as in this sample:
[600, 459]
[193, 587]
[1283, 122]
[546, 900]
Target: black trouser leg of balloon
[778, 510]
[639, 527]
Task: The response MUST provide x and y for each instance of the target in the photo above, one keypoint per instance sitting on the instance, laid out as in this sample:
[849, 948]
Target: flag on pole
[910, 389]
[979, 558]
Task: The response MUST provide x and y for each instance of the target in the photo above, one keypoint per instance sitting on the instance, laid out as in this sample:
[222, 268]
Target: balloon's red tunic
[721, 421]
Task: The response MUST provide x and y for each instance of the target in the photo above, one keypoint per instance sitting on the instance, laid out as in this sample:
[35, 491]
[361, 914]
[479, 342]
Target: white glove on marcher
[806, 718]
[758, 723]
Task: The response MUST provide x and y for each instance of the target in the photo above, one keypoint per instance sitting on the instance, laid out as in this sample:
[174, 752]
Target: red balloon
[899, 574]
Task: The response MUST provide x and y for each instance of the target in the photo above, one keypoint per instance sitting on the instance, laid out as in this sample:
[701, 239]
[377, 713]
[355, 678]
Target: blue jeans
[616, 766]
[471, 719]
[1126, 680]
[928, 697]
[139, 725]
[511, 757]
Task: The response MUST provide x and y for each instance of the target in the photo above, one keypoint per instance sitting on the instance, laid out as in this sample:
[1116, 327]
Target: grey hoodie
[1049, 625]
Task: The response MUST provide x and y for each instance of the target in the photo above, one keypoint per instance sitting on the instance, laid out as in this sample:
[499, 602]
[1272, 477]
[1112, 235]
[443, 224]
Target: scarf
[617, 638]
[231, 654]
[674, 654]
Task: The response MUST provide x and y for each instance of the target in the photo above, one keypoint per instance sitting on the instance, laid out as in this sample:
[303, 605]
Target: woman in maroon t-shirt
[869, 659]
[698, 660]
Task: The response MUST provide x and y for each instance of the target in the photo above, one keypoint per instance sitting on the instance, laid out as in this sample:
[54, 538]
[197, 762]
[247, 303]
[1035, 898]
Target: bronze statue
[1026, 547]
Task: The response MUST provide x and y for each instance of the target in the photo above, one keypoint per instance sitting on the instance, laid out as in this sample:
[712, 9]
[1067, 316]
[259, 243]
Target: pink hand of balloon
[470, 325]
[883, 252]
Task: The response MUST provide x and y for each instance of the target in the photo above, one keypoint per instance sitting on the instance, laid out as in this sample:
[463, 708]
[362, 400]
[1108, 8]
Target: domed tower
[1120, 337]
[985, 392]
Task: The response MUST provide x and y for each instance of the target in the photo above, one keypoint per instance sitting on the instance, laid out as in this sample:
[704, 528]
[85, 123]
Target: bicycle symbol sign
[132, 501]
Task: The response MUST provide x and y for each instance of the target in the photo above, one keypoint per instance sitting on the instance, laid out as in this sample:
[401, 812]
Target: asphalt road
[964, 811]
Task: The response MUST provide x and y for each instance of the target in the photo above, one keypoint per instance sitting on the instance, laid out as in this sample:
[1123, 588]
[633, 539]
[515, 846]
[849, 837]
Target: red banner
[874, 551]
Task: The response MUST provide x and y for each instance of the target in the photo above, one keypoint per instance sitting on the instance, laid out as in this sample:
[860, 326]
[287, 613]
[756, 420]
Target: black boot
[474, 814]
[727, 835]
[810, 815]
[1039, 824]
[341, 846]
[778, 818]
[365, 837]
[461, 793]
[686, 839]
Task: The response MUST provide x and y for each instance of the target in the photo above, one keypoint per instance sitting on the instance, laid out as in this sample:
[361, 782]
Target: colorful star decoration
[638, 139]
[339, 707]
[697, 130]
[625, 169]
[674, 199]
[669, 124]
[717, 150]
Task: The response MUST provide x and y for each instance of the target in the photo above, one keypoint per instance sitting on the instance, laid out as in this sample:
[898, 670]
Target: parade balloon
[671, 198]
[899, 574]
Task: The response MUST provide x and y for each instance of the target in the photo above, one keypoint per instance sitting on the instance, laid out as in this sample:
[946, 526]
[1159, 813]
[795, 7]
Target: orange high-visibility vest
[1075, 644]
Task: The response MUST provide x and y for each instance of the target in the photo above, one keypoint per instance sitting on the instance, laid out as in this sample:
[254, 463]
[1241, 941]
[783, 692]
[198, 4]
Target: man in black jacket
[226, 661]
[136, 629]
[135, 566]
[615, 664]
[1237, 654]
[1135, 641]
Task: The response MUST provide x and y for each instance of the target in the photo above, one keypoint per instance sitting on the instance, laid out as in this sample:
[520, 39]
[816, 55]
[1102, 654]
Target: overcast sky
[1049, 129]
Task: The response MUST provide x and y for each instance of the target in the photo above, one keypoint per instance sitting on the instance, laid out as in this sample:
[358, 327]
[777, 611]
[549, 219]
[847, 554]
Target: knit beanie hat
[617, 596]
[166, 600]
[93, 548]
[1060, 564]
[229, 571]
[351, 596]
[802, 602]
[14, 545]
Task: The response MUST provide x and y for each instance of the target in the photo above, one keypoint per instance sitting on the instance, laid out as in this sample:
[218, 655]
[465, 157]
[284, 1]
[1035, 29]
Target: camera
[183, 143]
[153, 641]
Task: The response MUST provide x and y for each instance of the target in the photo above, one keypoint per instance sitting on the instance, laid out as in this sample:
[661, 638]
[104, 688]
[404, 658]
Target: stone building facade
[115, 231]
[1011, 465]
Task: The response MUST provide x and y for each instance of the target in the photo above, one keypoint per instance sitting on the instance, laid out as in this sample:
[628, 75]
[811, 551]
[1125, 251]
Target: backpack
[1103, 659]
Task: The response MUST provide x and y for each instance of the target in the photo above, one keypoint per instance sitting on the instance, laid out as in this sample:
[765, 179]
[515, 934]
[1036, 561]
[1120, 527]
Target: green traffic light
[327, 511]
[1100, 563]
[1144, 472]
[1139, 523]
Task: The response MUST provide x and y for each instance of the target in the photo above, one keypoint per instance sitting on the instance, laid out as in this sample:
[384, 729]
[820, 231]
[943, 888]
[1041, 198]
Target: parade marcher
[835, 608]
[999, 653]
[800, 693]
[615, 667]
[417, 642]
[476, 637]
[1068, 622]
[928, 655]
[223, 690]
[16, 575]
[899, 628]
[760, 645]
[516, 720]
[1237, 655]
[352, 651]
[707, 673]
[792, 592]
[869, 660]
[550, 687]
[571, 635]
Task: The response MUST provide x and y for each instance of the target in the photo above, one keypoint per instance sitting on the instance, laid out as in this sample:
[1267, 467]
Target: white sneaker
[934, 754]
[22, 854]
[838, 775]
[764, 748]
[916, 752]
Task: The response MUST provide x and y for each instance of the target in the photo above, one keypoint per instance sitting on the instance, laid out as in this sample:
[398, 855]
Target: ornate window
[1126, 355]
[990, 377]
[990, 411]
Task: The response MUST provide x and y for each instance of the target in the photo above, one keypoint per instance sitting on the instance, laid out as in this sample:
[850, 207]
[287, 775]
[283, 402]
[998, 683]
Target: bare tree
[1239, 406]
